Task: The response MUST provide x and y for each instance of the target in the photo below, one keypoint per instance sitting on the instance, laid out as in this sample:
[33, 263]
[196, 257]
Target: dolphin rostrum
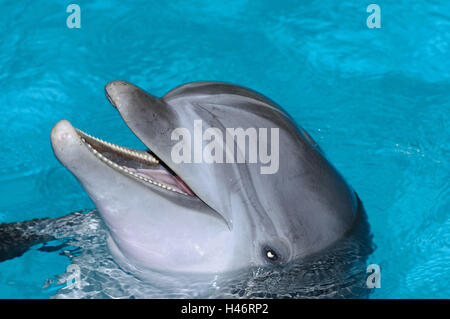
[200, 217]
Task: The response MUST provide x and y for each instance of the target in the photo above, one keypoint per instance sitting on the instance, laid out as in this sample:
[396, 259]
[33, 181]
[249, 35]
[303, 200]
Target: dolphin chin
[206, 218]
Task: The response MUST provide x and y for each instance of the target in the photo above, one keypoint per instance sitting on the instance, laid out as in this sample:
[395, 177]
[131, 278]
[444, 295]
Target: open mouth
[141, 165]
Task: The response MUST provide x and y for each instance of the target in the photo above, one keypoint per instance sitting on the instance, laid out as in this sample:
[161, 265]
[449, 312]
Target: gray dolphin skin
[206, 218]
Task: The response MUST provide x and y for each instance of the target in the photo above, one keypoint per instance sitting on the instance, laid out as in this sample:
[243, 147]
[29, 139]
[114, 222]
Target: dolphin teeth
[143, 156]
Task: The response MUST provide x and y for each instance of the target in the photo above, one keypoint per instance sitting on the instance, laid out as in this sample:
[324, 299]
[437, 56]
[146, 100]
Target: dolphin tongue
[163, 176]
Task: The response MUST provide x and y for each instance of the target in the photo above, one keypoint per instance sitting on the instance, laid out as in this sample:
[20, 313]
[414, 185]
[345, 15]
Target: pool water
[376, 100]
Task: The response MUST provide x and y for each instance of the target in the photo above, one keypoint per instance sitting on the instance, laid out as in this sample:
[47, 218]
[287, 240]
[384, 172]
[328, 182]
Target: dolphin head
[251, 188]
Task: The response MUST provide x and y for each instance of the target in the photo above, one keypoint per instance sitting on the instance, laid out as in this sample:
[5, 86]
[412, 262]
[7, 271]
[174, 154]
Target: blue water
[376, 100]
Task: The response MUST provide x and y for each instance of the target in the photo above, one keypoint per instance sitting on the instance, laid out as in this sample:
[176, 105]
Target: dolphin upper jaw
[153, 120]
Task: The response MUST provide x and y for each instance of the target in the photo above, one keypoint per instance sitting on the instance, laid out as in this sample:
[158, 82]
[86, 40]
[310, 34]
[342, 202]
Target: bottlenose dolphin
[18, 237]
[206, 218]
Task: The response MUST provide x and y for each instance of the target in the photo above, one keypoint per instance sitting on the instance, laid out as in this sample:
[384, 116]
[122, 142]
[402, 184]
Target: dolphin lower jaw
[138, 211]
[140, 165]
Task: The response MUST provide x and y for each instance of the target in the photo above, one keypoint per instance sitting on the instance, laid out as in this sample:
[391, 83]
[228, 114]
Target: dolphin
[169, 217]
[19, 237]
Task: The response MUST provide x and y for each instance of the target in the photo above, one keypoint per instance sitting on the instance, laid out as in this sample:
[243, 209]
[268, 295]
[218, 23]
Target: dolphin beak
[113, 91]
[65, 141]
[153, 120]
[123, 93]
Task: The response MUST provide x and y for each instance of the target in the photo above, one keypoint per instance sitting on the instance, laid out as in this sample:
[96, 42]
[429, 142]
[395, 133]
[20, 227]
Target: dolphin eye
[270, 254]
